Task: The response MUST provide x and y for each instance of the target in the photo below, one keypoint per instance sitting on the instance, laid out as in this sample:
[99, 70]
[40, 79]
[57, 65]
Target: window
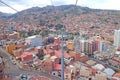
[54, 74]
[66, 76]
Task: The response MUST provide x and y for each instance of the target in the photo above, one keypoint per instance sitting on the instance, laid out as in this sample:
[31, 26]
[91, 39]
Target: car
[24, 76]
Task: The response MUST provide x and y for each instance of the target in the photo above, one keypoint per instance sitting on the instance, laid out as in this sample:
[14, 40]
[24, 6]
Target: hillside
[3, 16]
[69, 15]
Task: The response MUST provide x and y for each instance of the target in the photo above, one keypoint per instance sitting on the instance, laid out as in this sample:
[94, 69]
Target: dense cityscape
[34, 50]
[86, 55]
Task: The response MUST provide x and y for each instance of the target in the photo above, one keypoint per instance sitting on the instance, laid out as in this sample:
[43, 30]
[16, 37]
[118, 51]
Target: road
[14, 70]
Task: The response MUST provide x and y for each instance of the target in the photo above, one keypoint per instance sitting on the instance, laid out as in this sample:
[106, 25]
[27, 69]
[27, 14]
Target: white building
[109, 72]
[34, 41]
[82, 45]
[104, 47]
[3, 42]
[117, 38]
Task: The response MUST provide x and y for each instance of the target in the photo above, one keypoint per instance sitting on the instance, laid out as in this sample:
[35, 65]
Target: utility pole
[62, 58]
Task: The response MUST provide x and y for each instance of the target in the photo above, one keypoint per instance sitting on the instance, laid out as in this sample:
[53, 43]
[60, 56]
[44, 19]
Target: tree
[40, 56]
[45, 33]
[23, 33]
[59, 26]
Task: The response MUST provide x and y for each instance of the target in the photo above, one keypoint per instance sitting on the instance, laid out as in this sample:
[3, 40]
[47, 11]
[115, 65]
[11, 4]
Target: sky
[20, 5]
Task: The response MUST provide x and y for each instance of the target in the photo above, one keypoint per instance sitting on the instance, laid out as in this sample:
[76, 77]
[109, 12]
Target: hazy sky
[24, 4]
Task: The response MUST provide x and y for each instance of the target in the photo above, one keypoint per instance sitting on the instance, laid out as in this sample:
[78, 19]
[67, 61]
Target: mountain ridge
[68, 15]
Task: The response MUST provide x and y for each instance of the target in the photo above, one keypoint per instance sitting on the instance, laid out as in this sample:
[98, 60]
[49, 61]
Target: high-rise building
[82, 42]
[95, 45]
[104, 46]
[88, 47]
[117, 38]
[77, 44]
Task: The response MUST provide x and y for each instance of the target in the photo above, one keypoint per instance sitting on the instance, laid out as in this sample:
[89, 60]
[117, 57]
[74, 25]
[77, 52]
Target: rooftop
[57, 66]
[58, 53]
[37, 77]
[117, 75]
[34, 36]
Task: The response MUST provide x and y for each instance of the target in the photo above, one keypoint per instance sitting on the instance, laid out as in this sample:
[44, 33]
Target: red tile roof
[26, 54]
[57, 66]
[72, 54]
[117, 75]
[58, 53]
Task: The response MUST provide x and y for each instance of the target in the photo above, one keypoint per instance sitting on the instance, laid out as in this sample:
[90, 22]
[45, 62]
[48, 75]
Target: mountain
[4, 14]
[68, 15]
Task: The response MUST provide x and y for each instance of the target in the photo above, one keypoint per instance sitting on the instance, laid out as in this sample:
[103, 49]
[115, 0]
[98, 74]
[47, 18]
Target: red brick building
[26, 57]
[47, 65]
[76, 56]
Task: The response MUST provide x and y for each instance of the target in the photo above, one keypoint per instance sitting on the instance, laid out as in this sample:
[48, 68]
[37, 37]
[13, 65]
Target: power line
[76, 2]
[52, 2]
[8, 6]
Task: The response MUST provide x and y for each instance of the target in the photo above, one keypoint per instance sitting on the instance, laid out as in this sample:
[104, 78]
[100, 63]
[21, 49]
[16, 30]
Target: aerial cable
[76, 2]
[8, 6]
[52, 2]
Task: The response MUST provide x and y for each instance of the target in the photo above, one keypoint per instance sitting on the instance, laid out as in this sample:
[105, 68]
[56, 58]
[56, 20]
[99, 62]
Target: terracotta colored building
[116, 76]
[48, 65]
[76, 56]
[26, 56]
[20, 45]
[10, 47]
[70, 45]
[83, 58]
[17, 52]
[58, 53]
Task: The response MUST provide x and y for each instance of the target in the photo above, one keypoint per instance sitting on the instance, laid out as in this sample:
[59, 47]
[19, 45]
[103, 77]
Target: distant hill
[4, 14]
[68, 15]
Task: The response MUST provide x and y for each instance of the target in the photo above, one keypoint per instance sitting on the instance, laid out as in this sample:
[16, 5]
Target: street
[14, 70]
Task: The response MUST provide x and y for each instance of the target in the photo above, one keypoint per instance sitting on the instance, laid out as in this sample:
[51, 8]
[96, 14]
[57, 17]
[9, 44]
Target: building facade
[104, 46]
[77, 44]
[34, 41]
[117, 38]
